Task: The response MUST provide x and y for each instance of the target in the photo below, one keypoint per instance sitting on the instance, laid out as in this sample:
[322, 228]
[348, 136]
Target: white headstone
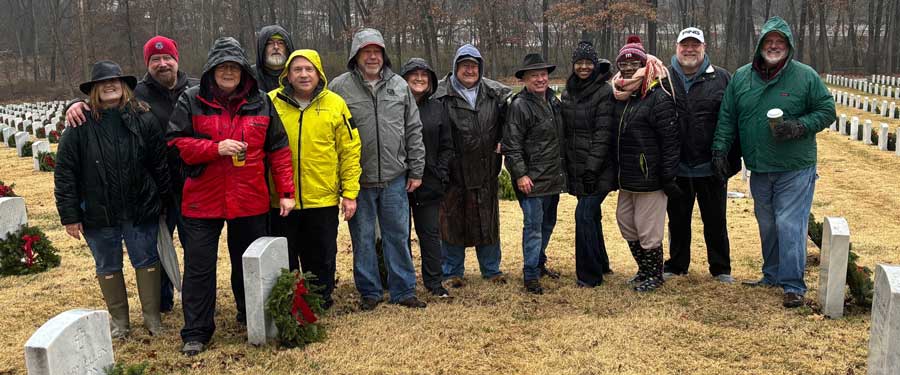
[883, 137]
[884, 336]
[833, 266]
[44, 146]
[12, 215]
[263, 262]
[854, 127]
[48, 128]
[74, 342]
[833, 126]
[884, 108]
[867, 132]
[21, 138]
[892, 109]
[865, 104]
[8, 132]
[842, 126]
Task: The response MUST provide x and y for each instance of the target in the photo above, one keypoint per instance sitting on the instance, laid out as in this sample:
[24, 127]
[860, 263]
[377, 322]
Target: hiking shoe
[413, 303]
[498, 279]
[792, 300]
[455, 282]
[440, 292]
[757, 284]
[368, 304]
[546, 272]
[533, 286]
[724, 278]
[192, 348]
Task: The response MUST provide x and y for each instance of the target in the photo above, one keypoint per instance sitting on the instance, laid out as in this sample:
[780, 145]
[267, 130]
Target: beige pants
[642, 217]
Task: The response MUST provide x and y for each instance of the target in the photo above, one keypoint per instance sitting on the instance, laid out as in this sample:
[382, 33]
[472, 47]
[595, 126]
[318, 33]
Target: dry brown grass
[692, 325]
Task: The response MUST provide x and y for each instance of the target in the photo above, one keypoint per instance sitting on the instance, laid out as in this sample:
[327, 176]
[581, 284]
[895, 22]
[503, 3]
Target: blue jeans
[455, 259]
[782, 202]
[389, 205]
[539, 217]
[106, 246]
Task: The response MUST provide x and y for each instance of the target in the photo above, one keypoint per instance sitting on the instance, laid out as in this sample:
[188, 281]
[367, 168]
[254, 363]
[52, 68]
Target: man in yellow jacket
[325, 152]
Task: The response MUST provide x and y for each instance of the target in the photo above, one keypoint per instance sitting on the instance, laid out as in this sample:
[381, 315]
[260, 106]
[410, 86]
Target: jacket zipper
[377, 135]
[299, 172]
[619, 142]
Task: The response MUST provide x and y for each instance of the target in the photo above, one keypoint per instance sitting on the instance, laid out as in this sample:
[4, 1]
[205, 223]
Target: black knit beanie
[585, 50]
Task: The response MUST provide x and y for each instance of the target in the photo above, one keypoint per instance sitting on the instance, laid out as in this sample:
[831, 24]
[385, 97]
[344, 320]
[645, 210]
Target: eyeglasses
[629, 65]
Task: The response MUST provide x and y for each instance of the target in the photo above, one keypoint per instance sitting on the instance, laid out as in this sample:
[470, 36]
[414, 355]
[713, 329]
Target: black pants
[200, 238]
[312, 242]
[711, 196]
[428, 229]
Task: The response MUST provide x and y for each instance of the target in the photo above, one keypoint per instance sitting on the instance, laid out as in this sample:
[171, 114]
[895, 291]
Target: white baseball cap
[691, 32]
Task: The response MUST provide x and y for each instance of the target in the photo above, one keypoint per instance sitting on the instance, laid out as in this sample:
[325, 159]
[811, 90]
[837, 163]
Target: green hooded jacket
[796, 89]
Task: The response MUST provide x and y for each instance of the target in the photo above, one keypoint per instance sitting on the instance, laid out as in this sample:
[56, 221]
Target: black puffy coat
[698, 114]
[534, 143]
[647, 149]
[470, 211]
[437, 139]
[101, 180]
[588, 111]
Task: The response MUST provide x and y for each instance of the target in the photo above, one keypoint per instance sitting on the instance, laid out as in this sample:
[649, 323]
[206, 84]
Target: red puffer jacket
[215, 188]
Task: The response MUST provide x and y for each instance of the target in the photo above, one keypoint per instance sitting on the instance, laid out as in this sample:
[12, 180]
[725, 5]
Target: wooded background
[54, 42]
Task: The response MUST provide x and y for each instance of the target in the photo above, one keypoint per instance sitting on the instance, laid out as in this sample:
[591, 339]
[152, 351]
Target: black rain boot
[653, 261]
[641, 275]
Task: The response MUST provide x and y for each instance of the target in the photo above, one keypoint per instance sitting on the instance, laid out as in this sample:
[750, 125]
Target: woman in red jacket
[224, 130]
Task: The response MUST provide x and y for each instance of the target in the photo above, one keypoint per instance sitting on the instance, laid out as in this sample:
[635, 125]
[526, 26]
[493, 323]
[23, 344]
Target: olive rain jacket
[470, 213]
[324, 145]
[217, 188]
[796, 89]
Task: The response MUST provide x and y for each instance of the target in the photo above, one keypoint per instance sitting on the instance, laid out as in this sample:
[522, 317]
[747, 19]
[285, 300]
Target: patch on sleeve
[351, 122]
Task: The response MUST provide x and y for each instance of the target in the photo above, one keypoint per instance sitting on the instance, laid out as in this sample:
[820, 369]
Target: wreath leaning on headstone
[27, 251]
[53, 137]
[859, 278]
[294, 304]
[40, 133]
[47, 161]
[26, 149]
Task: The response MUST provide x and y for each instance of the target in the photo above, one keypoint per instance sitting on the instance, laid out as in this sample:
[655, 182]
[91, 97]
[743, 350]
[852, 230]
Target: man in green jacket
[782, 156]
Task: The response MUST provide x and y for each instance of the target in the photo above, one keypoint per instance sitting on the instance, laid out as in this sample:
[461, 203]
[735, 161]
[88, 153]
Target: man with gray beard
[273, 46]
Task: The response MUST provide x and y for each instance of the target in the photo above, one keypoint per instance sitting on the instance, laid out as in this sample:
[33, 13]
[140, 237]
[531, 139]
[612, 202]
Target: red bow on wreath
[29, 253]
[306, 315]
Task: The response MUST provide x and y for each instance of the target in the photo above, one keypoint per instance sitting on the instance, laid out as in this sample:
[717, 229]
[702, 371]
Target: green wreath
[53, 137]
[7, 190]
[295, 330]
[41, 132]
[26, 149]
[27, 251]
[47, 161]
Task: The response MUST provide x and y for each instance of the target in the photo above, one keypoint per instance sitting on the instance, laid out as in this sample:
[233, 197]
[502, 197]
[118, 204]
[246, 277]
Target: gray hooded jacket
[387, 118]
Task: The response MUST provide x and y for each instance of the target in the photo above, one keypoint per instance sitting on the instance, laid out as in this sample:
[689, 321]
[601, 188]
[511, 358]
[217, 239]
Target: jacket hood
[468, 50]
[363, 38]
[775, 24]
[313, 57]
[263, 36]
[227, 49]
[416, 63]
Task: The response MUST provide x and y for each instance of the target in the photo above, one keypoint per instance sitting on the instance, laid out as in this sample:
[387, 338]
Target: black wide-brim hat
[534, 61]
[103, 70]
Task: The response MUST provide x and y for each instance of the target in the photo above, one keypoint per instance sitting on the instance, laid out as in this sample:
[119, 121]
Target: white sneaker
[724, 278]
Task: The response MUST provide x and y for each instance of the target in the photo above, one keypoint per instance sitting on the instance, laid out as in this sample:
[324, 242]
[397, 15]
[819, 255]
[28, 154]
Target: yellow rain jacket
[324, 143]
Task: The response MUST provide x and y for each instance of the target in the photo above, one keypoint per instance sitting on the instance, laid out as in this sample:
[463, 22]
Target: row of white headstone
[885, 88]
[842, 124]
[864, 103]
[21, 138]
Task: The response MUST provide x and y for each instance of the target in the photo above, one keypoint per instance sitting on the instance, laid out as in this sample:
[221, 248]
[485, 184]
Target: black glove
[671, 189]
[720, 167]
[789, 129]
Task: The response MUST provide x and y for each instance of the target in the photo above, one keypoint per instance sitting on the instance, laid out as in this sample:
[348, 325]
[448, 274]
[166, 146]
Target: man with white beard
[699, 86]
[273, 46]
[774, 107]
